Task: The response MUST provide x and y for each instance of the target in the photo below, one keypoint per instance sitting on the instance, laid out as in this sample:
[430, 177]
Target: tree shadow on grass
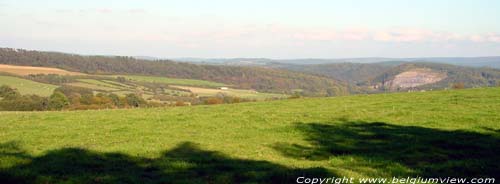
[184, 164]
[379, 148]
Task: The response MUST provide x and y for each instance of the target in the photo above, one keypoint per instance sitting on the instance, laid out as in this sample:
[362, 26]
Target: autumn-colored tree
[458, 85]
[213, 100]
[180, 103]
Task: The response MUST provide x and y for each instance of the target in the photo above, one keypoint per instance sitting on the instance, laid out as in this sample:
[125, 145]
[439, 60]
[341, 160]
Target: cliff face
[415, 77]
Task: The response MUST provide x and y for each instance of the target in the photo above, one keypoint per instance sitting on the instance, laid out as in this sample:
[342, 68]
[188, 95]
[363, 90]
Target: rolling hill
[382, 135]
[257, 78]
[392, 76]
[490, 61]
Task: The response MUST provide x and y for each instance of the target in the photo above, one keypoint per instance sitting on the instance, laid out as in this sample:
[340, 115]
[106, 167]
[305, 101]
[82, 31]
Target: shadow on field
[379, 148]
[184, 164]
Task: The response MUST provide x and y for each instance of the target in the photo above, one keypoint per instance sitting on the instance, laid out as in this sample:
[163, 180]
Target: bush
[7, 92]
[58, 101]
[213, 100]
[134, 101]
[116, 100]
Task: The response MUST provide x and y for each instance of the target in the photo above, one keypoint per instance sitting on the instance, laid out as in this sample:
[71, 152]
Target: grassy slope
[165, 80]
[444, 133]
[27, 86]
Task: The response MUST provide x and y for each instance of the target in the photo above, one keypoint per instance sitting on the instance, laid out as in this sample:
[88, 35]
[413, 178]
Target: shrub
[8, 92]
[134, 101]
[58, 101]
[213, 100]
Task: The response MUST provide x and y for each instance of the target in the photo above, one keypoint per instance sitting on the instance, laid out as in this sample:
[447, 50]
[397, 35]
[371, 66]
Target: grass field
[27, 70]
[173, 81]
[27, 86]
[428, 134]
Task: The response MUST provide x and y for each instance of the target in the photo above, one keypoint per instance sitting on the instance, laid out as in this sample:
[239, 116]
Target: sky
[280, 29]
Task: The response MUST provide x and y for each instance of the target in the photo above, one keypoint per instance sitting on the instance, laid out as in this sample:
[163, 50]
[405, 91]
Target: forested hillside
[349, 72]
[377, 77]
[261, 79]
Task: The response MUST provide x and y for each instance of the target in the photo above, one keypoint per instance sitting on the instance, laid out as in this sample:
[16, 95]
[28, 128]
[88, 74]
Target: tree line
[76, 98]
[67, 98]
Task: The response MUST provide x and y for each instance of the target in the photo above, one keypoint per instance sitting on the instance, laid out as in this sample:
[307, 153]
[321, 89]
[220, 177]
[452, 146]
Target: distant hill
[493, 61]
[402, 75]
[258, 78]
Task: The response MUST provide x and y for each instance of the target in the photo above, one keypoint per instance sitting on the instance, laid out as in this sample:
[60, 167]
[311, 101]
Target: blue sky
[257, 28]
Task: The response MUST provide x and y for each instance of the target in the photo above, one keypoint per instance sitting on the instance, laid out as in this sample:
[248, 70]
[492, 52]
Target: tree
[121, 79]
[7, 92]
[134, 101]
[58, 101]
[24, 103]
[180, 103]
[331, 92]
[115, 99]
[213, 100]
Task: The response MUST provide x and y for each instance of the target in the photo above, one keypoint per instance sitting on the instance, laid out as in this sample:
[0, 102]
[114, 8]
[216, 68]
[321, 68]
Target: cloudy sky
[254, 28]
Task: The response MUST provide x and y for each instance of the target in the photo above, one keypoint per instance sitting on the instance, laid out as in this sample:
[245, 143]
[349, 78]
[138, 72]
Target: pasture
[27, 87]
[429, 134]
[173, 81]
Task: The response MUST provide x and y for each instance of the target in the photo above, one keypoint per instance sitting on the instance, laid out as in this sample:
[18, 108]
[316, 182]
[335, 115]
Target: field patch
[173, 81]
[27, 86]
[28, 70]
[242, 93]
[93, 86]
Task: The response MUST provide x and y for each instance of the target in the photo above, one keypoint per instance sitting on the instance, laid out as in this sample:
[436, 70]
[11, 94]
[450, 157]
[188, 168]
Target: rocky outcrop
[414, 78]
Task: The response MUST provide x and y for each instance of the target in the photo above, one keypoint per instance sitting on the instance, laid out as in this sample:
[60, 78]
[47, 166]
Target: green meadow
[27, 86]
[173, 81]
[427, 134]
